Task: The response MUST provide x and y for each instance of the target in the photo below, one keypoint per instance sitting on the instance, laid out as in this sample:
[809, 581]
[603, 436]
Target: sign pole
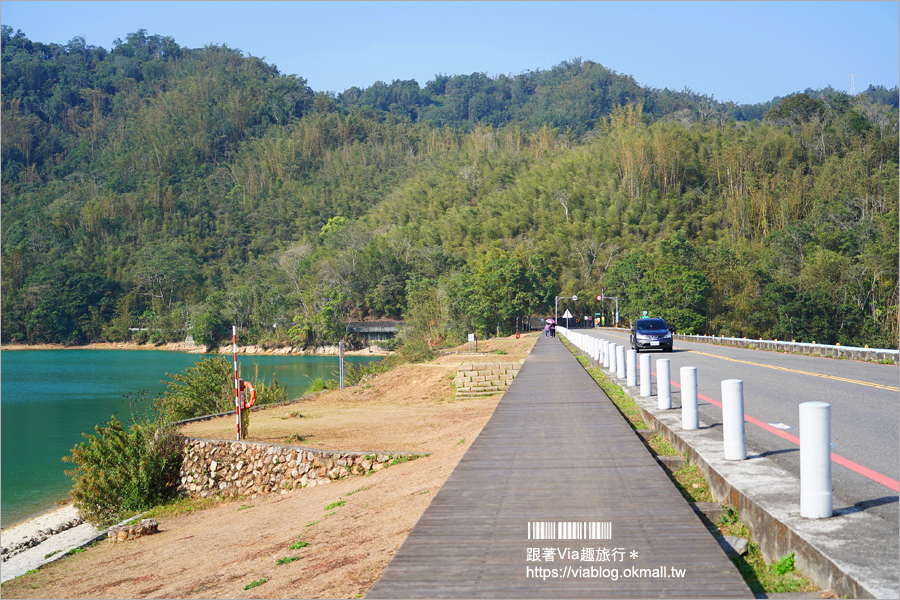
[237, 390]
[341, 360]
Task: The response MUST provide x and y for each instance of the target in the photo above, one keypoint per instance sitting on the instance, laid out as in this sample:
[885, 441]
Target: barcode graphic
[569, 530]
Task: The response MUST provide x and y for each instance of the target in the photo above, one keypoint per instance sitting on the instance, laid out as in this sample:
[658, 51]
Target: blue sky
[746, 52]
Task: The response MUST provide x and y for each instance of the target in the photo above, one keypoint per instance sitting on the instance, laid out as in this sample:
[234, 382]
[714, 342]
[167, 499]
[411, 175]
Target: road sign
[568, 315]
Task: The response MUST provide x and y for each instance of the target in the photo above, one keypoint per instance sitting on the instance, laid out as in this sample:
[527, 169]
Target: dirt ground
[217, 552]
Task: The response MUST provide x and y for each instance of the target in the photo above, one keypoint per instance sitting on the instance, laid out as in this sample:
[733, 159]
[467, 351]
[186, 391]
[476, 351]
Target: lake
[50, 397]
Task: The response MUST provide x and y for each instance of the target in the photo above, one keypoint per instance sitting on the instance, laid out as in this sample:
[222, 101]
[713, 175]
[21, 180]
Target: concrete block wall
[484, 379]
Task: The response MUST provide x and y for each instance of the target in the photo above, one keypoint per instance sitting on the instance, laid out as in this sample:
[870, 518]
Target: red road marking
[844, 462]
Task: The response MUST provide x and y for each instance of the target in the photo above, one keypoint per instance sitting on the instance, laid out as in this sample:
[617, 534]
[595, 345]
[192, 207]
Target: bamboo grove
[153, 188]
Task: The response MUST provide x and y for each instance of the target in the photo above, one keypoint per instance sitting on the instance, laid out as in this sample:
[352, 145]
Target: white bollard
[646, 386]
[631, 367]
[620, 362]
[816, 497]
[690, 417]
[605, 354]
[613, 367]
[733, 419]
[663, 384]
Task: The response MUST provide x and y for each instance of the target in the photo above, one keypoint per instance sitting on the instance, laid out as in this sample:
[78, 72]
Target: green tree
[505, 285]
[74, 310]
[208, 328]
[164, 272]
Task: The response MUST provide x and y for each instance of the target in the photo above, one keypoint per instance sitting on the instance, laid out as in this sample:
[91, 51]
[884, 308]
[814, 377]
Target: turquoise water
[49, 397]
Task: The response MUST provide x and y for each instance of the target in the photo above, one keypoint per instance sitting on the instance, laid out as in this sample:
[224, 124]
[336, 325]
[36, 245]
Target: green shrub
[205, 388]
[266, 393]
[123, 471]
[389, 345]
[416, 349]
[316, 384]
[354, 373]
[208, 328]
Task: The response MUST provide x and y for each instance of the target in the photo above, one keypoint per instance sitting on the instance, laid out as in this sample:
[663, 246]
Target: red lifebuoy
[249, 387]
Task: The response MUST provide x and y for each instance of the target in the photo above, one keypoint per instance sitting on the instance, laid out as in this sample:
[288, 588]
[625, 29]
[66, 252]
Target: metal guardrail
[879, 355]
[807, 348]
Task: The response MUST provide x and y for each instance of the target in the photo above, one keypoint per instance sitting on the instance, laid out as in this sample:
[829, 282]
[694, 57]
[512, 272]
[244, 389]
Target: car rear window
[645, 324]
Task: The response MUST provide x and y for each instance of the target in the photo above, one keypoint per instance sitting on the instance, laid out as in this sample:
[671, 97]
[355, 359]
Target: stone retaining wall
[484, 379]
[231, 468]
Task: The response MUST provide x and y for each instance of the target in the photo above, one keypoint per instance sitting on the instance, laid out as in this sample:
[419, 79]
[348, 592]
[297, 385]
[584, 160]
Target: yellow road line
[844, 379]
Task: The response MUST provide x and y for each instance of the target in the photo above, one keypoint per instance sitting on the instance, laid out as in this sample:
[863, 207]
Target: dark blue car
[651, 333]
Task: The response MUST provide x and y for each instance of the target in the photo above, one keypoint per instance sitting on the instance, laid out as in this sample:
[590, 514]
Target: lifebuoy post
[247, 399]
[237, 386]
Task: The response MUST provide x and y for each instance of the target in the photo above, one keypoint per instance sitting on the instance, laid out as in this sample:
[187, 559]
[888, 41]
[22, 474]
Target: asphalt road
[865, 411]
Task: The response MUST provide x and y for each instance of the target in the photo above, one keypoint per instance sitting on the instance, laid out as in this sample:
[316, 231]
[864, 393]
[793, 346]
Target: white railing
[815, 421]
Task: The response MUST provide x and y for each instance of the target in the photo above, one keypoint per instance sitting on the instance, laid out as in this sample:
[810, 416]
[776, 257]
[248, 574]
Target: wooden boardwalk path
[556, 450]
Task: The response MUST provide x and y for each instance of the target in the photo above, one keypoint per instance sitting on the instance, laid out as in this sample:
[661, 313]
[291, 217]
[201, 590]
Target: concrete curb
[768, 501]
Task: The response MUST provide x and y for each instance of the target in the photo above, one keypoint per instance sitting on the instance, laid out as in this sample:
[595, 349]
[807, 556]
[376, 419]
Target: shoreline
[42, 539]
[47, 509]
[197, 349]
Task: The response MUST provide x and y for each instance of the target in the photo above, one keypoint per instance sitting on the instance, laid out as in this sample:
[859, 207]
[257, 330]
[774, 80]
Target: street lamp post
[604, 297]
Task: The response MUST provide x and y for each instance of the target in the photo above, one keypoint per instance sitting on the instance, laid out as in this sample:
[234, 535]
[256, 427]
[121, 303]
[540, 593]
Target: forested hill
[158, 187]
